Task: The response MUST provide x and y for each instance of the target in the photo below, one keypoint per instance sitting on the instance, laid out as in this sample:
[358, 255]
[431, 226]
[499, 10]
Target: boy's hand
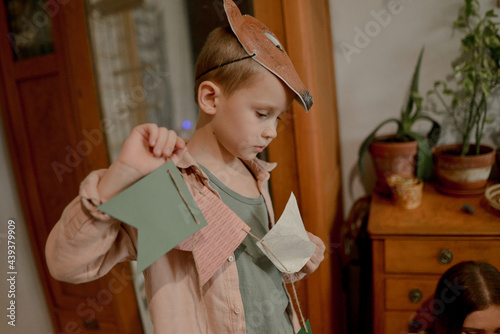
[318, 256]
[147, 148]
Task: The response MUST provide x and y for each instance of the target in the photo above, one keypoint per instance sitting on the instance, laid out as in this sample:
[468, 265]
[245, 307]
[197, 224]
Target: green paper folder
[303, 331]
[155, 207]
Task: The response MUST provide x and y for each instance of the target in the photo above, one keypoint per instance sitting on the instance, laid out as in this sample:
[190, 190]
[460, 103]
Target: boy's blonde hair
[222, 47]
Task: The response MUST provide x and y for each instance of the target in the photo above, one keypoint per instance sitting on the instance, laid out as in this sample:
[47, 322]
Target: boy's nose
[270, 132]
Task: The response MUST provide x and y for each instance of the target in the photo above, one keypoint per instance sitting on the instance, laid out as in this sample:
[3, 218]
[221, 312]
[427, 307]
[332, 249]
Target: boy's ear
[208, 94]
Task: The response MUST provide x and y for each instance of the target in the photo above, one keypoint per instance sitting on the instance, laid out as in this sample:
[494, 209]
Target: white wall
[373, 74]
[32, 315]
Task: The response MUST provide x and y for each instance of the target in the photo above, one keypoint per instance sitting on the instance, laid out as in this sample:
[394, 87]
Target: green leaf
[468, 8]
[485, 74]
[489, 120]
[485, 87]
[490, 13]
[492, 41]
[448, 92]
[434, 133]
[413, 95]
[469, 42]
[424, 157]
[468, 85]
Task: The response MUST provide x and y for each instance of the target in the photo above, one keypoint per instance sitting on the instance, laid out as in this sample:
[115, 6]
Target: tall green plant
[410, 114]
[476, 74]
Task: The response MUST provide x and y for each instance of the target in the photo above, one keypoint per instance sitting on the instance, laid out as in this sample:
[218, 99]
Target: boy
[240, 103]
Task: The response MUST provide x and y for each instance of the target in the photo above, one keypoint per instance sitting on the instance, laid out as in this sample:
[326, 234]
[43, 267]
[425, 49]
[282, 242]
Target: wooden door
[52, 122]
[307, 150]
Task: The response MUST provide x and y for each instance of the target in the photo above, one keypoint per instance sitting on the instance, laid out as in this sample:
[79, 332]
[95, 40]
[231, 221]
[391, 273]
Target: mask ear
[208, 95]
[258, 40]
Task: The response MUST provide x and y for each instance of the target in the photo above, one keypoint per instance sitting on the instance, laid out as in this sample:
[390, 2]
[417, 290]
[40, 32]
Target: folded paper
[287, 244]
[162, 209]
[213, 245]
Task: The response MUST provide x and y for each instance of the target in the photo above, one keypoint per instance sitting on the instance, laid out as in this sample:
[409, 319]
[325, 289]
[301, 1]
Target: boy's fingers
[309, 267]
[180, 143]
[178, 155]
[320, 245]
[160, 142]
[170, 143]
[317, 257]
[151, 132]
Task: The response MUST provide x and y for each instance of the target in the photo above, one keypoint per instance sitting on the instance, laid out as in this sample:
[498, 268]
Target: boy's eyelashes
[261, 114]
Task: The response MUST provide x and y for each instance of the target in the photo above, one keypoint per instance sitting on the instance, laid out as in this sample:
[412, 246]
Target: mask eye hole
[275, 41]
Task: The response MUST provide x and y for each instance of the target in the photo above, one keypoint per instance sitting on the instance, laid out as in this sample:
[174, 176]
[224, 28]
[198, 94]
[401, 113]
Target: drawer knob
[415, 295]
[445, 256]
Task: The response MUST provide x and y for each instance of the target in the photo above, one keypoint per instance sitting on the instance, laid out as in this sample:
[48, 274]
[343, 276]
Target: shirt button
[237, 310]
[230, 258]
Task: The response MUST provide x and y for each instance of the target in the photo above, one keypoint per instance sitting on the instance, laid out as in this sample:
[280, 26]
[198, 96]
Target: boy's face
[246, 121]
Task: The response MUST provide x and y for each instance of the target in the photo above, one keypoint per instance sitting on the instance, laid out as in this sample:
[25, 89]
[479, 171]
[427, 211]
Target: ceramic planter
[392, 158]
[462, 175]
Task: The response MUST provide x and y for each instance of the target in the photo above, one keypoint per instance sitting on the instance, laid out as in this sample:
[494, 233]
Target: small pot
[463, 174]
[392, 158]
[406, 193]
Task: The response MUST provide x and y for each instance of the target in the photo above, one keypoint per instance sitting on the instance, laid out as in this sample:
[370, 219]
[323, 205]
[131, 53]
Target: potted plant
[464, 168]
[406, 152]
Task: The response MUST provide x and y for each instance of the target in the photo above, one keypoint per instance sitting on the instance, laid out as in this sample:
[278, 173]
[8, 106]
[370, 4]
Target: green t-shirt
[261, 285]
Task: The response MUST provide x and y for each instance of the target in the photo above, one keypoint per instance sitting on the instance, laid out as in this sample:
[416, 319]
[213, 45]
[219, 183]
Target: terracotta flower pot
[392, 158]
[462, 175]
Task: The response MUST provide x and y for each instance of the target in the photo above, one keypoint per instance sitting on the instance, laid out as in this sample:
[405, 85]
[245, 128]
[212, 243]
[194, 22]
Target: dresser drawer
[435, 256]
[407, 293]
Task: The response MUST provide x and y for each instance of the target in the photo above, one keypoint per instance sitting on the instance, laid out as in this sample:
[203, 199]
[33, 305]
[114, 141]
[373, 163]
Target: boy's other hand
[147, 148]
[318, 256]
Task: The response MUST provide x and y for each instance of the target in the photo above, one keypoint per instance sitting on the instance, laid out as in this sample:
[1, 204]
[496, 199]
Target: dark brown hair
[464, 288]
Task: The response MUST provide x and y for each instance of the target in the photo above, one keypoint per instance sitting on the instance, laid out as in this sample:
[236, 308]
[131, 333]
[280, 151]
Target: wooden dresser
[412, 248]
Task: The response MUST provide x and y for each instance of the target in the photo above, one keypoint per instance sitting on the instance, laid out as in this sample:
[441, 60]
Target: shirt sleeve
[85, 243]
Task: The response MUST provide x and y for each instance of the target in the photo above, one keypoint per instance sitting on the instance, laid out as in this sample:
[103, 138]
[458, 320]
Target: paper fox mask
[258, 41]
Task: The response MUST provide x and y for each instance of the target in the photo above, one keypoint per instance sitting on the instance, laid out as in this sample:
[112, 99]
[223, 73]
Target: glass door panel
[30, 28]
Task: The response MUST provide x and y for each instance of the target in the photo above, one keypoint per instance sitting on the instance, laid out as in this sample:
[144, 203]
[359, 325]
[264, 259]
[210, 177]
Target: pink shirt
[85, 244]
